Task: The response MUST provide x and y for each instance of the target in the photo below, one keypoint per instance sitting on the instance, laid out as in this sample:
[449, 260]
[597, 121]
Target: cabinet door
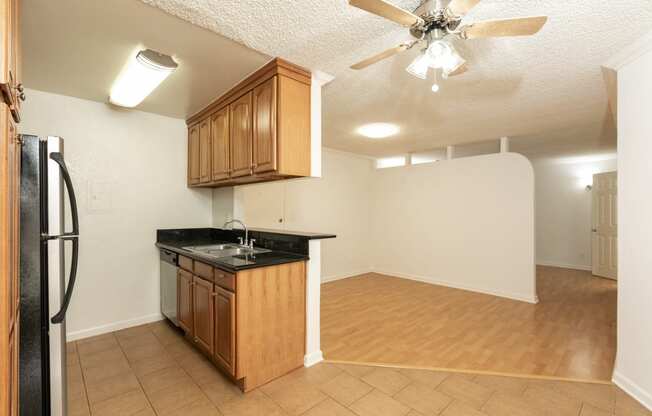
[184, 301]
[193, 155]
[9, 74]
[241, 136]
[203, 313]
[14, 152]
[264, 126]
[225, 329]
[205, 151]
[220, 142]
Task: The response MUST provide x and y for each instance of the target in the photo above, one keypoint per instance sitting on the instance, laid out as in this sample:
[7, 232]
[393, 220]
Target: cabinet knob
[22, 96]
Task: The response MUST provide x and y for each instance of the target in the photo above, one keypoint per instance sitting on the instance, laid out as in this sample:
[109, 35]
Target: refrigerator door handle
[73, 236]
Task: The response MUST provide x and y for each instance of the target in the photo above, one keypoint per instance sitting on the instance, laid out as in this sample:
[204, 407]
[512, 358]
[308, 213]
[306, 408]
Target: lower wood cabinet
[184, 301]
[202, 313]
[225, 329]
[250, 324]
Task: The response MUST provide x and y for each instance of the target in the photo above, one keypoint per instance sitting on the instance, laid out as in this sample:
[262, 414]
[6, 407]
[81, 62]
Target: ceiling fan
[432, 24]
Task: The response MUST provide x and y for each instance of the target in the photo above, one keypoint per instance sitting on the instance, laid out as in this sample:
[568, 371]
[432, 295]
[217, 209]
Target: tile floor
[152, 370]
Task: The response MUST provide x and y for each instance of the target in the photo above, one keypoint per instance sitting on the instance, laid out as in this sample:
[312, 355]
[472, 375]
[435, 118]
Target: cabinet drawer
[204, 270]
[225, 280]
[185, 263]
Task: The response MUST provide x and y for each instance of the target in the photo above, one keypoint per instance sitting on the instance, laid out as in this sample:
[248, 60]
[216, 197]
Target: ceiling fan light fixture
[453, 65]
[442, 55]
[438, 51]
[419, 66]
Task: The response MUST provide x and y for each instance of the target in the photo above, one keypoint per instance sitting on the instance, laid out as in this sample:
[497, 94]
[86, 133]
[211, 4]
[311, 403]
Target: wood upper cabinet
[202, 307]
[225, 329]
[264, 126]
[205, 151]
[260, 129]
[184, 301]
[241, 136]
[221, 166]
[194, 176]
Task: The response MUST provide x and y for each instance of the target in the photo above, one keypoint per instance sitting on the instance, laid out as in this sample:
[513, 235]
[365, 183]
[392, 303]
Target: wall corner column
[450, 152]
[319, 79]
[504, 144]
[313, 292]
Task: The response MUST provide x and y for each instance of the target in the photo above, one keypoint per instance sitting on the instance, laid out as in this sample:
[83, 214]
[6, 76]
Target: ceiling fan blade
[462, 7]
[379, 57]
[388, 11]
[522, 26]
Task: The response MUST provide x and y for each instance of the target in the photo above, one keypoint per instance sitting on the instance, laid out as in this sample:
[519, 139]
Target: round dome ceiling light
[378, 130]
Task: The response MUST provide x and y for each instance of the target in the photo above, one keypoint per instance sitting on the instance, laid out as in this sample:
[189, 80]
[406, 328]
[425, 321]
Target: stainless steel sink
[217, 251]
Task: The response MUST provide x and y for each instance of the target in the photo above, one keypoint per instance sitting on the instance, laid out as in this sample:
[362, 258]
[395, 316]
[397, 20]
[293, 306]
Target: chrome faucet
[246, 239]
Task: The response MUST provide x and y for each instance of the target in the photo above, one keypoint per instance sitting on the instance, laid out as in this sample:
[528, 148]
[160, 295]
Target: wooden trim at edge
[463, 371]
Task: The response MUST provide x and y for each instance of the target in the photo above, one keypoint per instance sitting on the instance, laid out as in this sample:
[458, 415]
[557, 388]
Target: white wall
[423, 221]
[634, 358]
[466, 223]
[563, 210]
[129, 173]
[336, 203]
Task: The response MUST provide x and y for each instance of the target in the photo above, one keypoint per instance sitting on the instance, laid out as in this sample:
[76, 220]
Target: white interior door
[605, 226]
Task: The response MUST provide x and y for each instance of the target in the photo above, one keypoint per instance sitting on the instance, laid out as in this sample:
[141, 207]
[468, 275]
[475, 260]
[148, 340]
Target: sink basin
[224, 250]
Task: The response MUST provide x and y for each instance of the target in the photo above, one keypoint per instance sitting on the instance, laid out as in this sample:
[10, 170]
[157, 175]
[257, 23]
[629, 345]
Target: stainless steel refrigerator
[45, 291]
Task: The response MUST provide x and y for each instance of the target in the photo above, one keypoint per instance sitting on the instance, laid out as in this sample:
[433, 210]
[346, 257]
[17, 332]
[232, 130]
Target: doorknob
[594, 230]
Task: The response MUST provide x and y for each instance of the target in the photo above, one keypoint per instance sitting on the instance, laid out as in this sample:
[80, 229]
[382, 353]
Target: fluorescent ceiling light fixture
[378, 130]
[142, 74]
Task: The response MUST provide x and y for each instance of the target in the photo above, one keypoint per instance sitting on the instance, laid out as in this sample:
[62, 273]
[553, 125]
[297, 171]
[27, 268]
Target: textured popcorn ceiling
[545, 87]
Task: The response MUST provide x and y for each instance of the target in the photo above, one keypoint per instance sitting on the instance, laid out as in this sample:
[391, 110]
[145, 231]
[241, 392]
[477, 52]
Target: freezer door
[56, 279]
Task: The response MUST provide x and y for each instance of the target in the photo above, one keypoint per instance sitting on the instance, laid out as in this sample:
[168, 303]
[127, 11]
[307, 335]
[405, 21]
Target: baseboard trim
[465, 371]
[313, 358]
[633, 390]
[344, 276]
[564, 266]
[115, 326]
[513, 296]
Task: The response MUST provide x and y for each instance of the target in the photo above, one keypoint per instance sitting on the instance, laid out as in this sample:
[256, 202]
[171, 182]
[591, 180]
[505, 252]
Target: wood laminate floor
[570, 333]
[151, 370]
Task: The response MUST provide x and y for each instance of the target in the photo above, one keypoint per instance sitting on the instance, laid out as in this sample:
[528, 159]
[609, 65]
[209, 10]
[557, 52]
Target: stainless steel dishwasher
[169, 262]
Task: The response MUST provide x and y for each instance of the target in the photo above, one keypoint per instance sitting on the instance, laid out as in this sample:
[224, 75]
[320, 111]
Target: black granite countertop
[305, 234]
[284, 246]
[234, 263]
